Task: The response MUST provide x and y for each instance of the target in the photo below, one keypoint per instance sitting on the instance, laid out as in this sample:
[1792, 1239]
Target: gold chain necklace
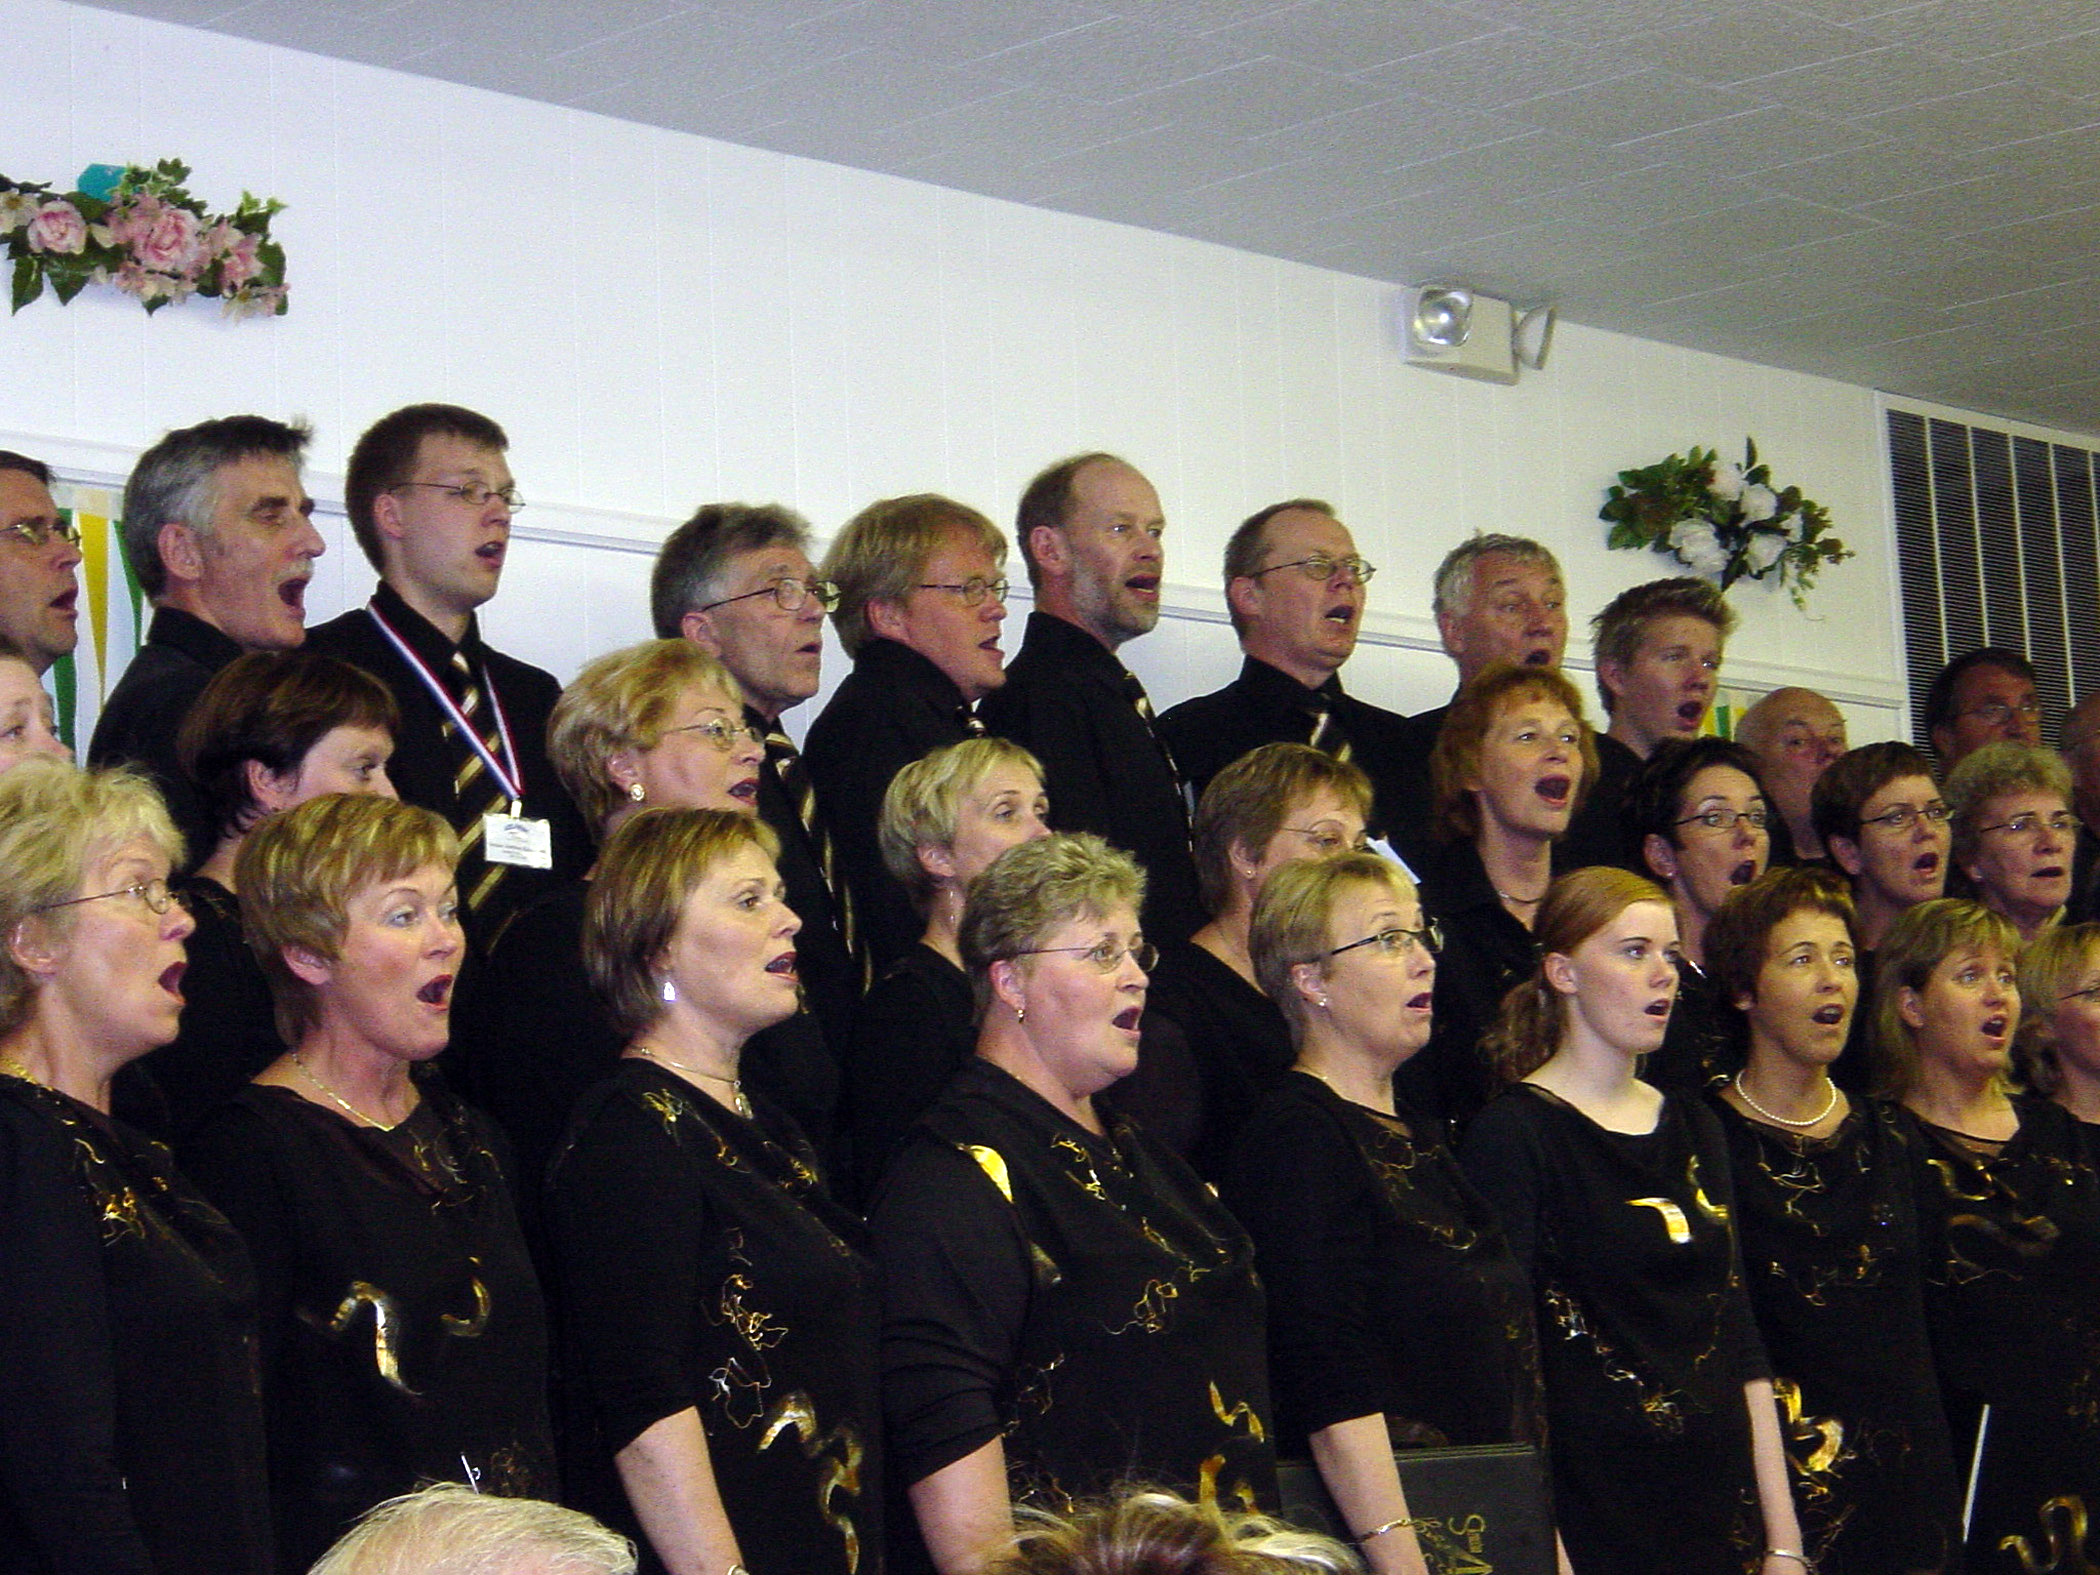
[314, 1078]
[735, 1085]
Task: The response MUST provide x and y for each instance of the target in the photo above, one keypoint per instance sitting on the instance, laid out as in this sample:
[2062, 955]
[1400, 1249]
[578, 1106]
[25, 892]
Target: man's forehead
[23, 497]
[779, 561]
[1293, 527]
[1810, 711]
[1498, 571]
[1992, 676]
[459, 456]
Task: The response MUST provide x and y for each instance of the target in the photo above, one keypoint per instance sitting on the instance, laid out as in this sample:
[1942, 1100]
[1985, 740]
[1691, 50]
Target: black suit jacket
[145, 711]
[1065, 700]
[830, 976]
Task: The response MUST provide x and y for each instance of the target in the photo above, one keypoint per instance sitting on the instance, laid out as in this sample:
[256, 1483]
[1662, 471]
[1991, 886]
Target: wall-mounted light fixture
[1449, 328]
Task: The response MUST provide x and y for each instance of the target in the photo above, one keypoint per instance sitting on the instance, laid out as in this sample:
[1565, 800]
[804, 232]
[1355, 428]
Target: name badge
[514, 839]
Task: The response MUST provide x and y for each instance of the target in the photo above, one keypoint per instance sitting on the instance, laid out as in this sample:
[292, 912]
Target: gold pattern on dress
[1673, 1217]
[1659, 1406]
[841, 1473]
[669, 1108]
[1717, 1212]
[386, 1330]
[1153, 1311]
[475, 1323]
[1032, 1391]
[1090, 1182]
[1815, 1445]
[1793, 1184]
[1244, 1411]
[1242, 1492]
[2063, 1521]
[993, 1164]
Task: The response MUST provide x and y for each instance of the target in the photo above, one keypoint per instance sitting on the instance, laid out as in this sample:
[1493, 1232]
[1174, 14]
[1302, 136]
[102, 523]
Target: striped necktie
[1327, 735]
[793, 775]
[1140, 702]
[474, 789]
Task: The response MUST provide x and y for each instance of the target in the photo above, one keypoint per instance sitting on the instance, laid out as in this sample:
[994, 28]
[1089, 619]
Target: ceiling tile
[1746, 42]
[2070, 66]
[1245, 101]
[1499, 69]
[1763, 139]
[1356, 35]
[1984, 202]
[1597, 22]
[2072, 236]
[1863, 174]
[1890, 78]
[1975, 29]
[1525, 166]
[1983, 119]
[1392, 132]
[975, 141]
[1115, 59]
[1166, 160]
[935, 31]
[1641, 104]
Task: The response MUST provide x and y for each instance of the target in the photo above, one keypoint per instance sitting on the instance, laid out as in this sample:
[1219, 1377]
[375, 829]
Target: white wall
[660, 319]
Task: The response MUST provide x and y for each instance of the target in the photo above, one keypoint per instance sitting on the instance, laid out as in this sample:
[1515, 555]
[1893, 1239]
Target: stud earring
[1323, 1003]
[1021, 1014]
[670, 993]
[637, 792]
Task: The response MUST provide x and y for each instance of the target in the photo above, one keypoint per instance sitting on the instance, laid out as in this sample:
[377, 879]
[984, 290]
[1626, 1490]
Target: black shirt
[1487, 951]
[131, 1421]
[1266, 705]
[427, 759]
[1597, 834]
[703, 1266]
[145, 712]
[917, 1029]
[1067, 700]
[403, 1333]
[894, 707]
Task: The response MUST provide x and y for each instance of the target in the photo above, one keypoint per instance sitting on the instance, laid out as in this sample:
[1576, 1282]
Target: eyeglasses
[2028, 824]
[155, 894]
[790, 595]
[38, 533]
[2089, 994]
[472, 493]
[1727, 819]
[723, 735]
[972, 591]
[1430, 937]
[1904, 816]
[1321, 567]
[1105, 955]
[1329, 838]
[1997, 712]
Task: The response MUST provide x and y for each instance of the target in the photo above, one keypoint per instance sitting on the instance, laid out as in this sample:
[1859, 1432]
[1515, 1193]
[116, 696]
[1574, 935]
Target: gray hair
[689, 565]
[176, 482]
[449, 1529]
[1453, 586]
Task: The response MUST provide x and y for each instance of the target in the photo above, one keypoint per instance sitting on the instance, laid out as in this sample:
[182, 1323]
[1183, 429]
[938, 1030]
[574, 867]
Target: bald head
[1795, 734]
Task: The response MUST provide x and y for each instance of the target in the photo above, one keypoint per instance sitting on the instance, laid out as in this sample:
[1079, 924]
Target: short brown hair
[56, 820]
[2052, 961]
[1741, 930]
[1535, 1015]
[882, 552]
[297, 873]
[1984, 775]
[1245, 805]
[1031, 889]
[387, 452]
[1249, 544]
[1455, 758]
[1618, 632]
[1291, 915]
[1922, 938]
[689, 564]
[1046, 502]
[649, 867]
[1848, 782]
[272, 707]
[923, 802]
[621, 701]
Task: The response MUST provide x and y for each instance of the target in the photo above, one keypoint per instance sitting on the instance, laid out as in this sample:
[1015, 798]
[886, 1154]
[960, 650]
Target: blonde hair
[1030, 890]
[923, 805]
[1922, 938]
[55, 821]
[2053, 960]
[1455, 759]
[1292, 914]
[1986, 773]
[650, 866]
[622, 701]
[448, 1528]
[1534, 1016]
[1245, 804]
[1149, 1532]
[297, 872]
[881, 554]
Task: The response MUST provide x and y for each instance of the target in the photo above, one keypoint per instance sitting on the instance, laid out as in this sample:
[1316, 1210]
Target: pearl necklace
[338, 1100]
[735, 1085]
[1821, 1116]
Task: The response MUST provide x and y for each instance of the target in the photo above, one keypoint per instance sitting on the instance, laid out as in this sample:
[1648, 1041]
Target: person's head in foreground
[1946, 1000]
[1155, 1533]
[449, 1529]
[947, 816]
[1781, 950]
[2014, 834]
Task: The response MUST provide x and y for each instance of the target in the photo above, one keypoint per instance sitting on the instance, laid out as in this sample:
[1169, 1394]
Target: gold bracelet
[1392, 1525]
[1788, 1553]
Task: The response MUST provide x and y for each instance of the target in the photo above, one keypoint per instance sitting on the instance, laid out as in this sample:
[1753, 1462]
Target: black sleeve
[1053, 723]
[1302, 1190]
[1739, 1334]
[955, 1275]
[628, 1273]
[58, 1403]
[1501, 1157]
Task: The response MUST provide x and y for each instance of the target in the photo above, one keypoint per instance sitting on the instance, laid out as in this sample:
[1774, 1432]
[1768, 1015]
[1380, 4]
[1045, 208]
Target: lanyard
[504, 771]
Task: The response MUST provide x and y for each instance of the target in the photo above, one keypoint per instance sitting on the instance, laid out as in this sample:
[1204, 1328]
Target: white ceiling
[1905, 195]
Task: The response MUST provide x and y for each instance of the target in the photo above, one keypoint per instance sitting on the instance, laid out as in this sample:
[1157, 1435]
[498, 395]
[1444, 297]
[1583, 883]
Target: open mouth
[746, 791]
[1743, 874]
[438, 992]
[1555, 790]
[991, 648]
[67, 604]
[1691, 712]
[1659, 1008]
[171, 978]
[293, 594]
[1341, 613]
[1145, 585]
[491, 553]
[1926, 863]
[1127, 1019]
[1537, 656]
[1421, 1003]
[2053, 872]
[783, 966]
[1994, 1027]
[1828, 1016]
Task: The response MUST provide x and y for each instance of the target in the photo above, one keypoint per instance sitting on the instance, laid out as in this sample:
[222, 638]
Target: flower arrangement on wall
[1724, 522]
[140, 231]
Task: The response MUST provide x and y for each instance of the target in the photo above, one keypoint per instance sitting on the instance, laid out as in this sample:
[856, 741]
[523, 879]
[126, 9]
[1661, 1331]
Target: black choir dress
[403, 1333]
[1487, 951]
[2012, 1286]
[701, 1264]
[916, 1029]
[1832, 1259]
[1646, 1335]
[1704, 1043]
[1084, 1297]
[1391, 1288]
[131, 1420]
[1212, 1045]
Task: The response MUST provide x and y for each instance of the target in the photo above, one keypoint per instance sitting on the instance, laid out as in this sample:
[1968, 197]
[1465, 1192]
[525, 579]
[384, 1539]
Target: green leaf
[29, 281]
[67, 283]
